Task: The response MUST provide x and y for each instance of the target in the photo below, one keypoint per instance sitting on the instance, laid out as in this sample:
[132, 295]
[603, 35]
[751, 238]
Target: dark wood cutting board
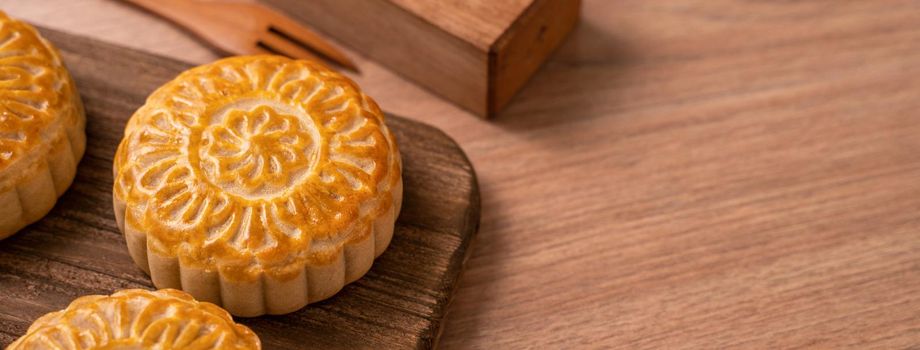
[77, 249]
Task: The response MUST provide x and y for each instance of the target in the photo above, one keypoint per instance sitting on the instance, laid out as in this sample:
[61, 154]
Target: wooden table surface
[680, 174]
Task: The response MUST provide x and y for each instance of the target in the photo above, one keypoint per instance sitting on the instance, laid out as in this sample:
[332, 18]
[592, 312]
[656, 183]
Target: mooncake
[258, 183]
[138, 319]
[41, 126]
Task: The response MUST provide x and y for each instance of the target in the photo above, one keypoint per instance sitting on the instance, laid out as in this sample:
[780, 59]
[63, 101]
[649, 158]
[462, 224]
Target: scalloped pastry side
[258, 182]
[41, 126]
[265, 295]
[34, 196]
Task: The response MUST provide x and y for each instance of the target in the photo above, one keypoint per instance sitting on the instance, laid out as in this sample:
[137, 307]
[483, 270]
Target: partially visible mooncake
[138, 319]
[41, 126]
[258, 183]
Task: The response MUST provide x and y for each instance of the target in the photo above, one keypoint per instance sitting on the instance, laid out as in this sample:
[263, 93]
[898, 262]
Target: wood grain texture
[680, 174]
[456, 48]
[404, 42]
[478, 22]
[77, 249]
[523, 47]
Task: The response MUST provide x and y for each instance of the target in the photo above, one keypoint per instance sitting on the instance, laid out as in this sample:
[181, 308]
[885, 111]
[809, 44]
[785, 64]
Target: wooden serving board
[77, 249]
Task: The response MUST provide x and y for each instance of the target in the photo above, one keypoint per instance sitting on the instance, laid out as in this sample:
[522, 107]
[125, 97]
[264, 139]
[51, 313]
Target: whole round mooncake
[138, 319]
[258, 183]
[41, 126]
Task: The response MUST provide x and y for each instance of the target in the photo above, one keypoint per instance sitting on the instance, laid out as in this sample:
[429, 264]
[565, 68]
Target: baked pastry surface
[258, 183]
[138, 319]
[41, 126]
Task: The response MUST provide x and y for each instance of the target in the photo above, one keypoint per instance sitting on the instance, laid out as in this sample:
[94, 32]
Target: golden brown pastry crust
[41, 126]
[260, 183]
[138, 319]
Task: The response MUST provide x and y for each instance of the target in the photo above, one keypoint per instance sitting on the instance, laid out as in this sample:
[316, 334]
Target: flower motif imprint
[249, 162]
[256, 153]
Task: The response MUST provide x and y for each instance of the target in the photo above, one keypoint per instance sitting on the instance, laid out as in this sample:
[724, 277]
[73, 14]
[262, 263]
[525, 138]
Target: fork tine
[302, 35]
[261, 49]
[286, 47]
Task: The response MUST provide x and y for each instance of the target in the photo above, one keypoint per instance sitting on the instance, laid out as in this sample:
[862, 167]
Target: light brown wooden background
[679, 175]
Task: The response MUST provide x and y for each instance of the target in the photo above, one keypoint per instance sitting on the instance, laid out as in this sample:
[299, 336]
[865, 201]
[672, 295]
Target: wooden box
[476, 53]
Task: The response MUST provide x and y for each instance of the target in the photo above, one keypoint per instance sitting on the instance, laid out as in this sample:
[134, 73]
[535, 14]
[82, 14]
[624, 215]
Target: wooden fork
[245, 28]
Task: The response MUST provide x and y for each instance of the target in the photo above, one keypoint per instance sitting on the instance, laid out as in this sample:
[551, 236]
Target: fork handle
[181, 12]
[189, 14]
[171, 9]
